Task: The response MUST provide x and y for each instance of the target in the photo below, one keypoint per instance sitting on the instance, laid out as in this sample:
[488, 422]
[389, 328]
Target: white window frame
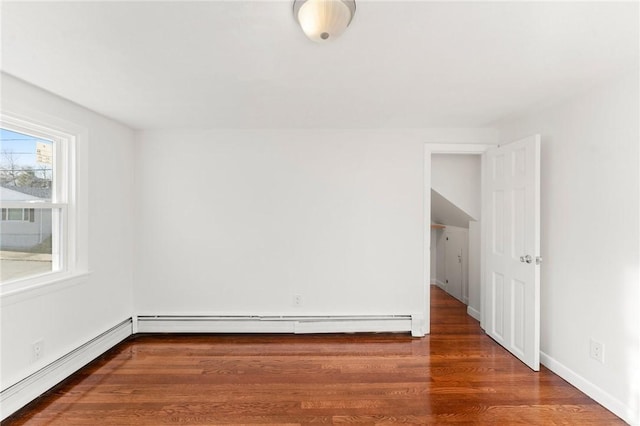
[62, 204]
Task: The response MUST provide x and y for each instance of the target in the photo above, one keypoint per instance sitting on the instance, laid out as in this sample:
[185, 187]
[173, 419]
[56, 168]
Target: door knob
[526, 259]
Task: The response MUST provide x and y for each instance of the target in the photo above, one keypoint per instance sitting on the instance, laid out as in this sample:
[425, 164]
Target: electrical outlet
[37, 349]
[297, 300]
[596, 350]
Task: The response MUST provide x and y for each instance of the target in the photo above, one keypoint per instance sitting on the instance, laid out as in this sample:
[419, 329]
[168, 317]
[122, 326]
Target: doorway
[509, 240]
[460, 149]
[455, 209]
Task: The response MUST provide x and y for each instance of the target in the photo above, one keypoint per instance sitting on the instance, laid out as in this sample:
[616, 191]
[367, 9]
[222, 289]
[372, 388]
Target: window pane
[26, 246]
[26, 167]
[15, 214]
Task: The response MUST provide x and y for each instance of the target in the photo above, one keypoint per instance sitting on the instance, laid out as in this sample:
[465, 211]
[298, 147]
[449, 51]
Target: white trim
[281, 324]
[418, 326]
[134, 325]
[20, 394]
[473, 313]
[458, 148]
[484, 234]
[19, 290]
[595, 392]
[426, 238]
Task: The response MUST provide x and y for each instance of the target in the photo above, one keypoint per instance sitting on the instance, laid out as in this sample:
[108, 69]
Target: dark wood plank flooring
[455, 375]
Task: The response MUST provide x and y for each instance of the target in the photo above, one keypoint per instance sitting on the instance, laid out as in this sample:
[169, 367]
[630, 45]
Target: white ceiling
[242, 64]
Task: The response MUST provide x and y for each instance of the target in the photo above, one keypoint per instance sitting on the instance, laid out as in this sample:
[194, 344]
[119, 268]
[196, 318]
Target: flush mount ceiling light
[323, 20]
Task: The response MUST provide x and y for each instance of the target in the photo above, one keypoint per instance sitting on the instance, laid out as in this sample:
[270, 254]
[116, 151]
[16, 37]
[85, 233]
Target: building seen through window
[27, 229]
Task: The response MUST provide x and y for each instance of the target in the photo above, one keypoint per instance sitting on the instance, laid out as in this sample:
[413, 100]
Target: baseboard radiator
[26, 390]
[275, 324]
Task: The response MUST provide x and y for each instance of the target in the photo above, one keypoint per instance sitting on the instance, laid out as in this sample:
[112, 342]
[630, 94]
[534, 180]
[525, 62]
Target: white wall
[589, 276]
[434, 257]
[67, 315]
[238, 222]
[440, 265]
[457, 178]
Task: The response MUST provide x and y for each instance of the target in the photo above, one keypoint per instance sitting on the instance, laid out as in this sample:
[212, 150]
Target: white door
[454, 263]
[511, 208]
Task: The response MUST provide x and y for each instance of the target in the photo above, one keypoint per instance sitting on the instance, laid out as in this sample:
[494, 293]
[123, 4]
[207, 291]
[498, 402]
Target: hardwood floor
[455, 375]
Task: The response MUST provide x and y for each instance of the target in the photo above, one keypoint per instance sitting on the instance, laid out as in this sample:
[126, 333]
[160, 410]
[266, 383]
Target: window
[27, 215]
[35, 189]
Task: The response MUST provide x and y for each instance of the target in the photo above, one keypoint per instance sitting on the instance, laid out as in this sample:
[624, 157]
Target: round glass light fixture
[323, 20]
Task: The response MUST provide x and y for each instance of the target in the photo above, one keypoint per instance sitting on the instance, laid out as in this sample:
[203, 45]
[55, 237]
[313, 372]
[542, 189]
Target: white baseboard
[17, 396]
[439, 284]
[473, 313]
[598, 394]
[297, 325]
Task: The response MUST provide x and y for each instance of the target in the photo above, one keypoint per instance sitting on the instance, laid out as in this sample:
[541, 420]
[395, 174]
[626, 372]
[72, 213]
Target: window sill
[13, 292]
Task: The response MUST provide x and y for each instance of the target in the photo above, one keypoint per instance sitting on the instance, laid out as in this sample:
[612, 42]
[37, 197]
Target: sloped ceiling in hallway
[445, 212]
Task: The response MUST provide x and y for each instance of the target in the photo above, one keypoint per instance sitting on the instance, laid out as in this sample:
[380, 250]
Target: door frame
[446, 148]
